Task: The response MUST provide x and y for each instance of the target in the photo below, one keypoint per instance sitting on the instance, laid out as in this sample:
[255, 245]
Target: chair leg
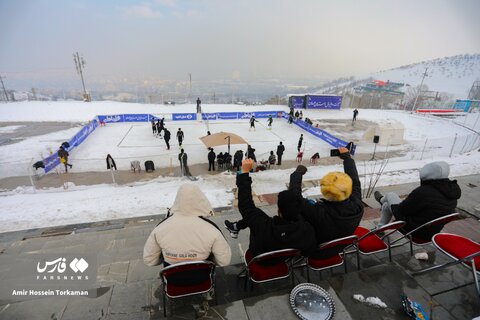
[308, 274]
[358, 260]
[164, 305]
[389, 250]
[411, 246]
[475, 277]
[345, 265]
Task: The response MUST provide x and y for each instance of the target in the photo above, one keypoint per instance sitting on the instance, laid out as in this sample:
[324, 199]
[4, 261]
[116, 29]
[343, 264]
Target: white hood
[190, 201]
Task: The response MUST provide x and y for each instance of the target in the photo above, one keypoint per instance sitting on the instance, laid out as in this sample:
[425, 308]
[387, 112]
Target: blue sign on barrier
[296, 102]
[323, 102]
[209, 116]
[265, 114]
[51, 162]
[184, 116]
[111, 118]
[135, 117]
[324, 135]
[227, 115]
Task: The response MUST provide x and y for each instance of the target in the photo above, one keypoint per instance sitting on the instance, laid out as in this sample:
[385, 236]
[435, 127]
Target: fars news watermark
[50, 275]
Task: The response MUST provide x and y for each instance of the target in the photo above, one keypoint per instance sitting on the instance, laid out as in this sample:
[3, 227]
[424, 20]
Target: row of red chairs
[198, 277]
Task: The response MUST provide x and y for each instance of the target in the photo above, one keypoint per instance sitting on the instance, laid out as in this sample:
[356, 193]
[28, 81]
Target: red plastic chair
[331, 254]
[187, 279]
[461, 250]
[270, 266]
[373, 241]
[413, 240]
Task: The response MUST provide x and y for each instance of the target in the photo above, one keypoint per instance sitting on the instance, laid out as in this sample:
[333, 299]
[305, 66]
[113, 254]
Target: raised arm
[151, 251]
[350, 168]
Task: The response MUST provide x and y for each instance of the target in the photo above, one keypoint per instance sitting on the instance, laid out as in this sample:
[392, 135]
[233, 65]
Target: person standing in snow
[158, 127]
[355, 113]
[237, 159]
[166, 137]
[252, 123]
[180, 136]
[211, 160]
[300, 142]
[182, 157]
[251, 153]
[290, 119]
[280, 150]
[199, 108]
[296, 115]
[161, 125]
[154, 127]
[63, 155]
[270, 121]
[110, 163]
[300, 116]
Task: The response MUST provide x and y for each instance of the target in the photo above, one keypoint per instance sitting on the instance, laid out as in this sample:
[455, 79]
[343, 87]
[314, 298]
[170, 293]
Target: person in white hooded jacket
[187, 234]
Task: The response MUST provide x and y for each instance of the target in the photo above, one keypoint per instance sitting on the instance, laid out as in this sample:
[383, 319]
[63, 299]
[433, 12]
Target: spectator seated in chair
[272, 159]
[315, 158]
[220, 160]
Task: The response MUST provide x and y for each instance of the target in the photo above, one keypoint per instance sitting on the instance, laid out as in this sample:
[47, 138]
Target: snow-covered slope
[454, 75]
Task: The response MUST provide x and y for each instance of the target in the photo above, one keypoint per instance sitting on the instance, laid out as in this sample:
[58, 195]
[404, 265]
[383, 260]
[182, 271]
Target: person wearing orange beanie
[340, 212]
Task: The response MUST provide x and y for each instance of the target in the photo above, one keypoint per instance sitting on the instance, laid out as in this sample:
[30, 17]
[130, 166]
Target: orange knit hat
[336, 186]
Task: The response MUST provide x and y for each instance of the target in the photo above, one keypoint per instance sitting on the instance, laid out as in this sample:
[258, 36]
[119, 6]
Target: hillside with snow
[453, 75]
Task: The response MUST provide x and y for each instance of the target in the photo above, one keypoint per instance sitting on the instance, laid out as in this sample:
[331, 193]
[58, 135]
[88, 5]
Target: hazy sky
[222, 39]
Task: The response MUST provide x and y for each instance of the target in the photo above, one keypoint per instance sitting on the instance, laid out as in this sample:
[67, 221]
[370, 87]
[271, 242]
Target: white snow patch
[371, 301]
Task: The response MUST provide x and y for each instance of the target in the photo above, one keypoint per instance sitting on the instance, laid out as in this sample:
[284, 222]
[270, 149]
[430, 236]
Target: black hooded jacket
[331, 219]
[432, 199]
[267, 233]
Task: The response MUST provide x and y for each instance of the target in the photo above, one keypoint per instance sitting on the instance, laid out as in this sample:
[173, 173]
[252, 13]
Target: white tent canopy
[390, 133]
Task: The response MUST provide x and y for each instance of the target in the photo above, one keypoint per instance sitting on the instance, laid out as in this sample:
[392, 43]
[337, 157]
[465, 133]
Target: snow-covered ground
[28, 208]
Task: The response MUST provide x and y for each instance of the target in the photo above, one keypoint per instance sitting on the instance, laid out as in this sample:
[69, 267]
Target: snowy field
[28, 208]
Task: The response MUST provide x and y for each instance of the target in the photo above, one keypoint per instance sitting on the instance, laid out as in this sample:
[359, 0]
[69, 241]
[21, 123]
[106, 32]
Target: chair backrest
[391, 227]
[275, 257]
[459, 248]
[334, 247]
[435, 222]
[187, 278]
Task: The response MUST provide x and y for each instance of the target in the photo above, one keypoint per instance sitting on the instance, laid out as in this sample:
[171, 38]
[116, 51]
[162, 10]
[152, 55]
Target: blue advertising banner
[227, 115]
[136, 117]
[111, 118]
[265, 114]
[324, 102]
[297, 102]
[184, 116]
[322, 134]
[52, 161]
[209, 116]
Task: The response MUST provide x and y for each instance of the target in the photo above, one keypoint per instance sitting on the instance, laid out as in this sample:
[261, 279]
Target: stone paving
[127, 289]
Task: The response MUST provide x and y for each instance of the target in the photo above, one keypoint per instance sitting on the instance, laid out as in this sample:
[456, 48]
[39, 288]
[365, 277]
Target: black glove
[344, 155]
[301, 169]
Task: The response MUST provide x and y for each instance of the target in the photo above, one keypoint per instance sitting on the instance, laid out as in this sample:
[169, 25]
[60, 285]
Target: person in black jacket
[435, 197]
[237, 159]
[180, 136]
[280, 150]
[251, 153]
[166, 137]
[300, 142]
[211, 160]
[110, 163]
[340, 212]
[287, 230]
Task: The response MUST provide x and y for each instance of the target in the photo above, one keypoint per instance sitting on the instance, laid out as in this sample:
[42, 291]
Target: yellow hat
[336, 186]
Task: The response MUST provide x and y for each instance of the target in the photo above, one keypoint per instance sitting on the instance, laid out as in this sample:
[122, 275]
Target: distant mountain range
[454, 75]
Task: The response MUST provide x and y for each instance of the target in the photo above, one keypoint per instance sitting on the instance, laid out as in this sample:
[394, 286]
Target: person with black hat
[286, 230]
[63, 155]
[435, 197]
[211, 160]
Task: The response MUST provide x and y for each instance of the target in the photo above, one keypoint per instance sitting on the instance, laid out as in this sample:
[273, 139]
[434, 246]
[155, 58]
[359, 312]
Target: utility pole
[419, 90]
[80, 66]
[4, 90]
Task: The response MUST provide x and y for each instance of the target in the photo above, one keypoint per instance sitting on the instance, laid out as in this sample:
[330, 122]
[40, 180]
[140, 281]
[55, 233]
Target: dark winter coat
[331, 219]
[237, 158]
[211, 156]
[62, 153]
[251, 154]
[280, 149]
[166, 135]
[182, 157]
[433, 199]
[113, 165]
[266, 233]
[180, 135]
